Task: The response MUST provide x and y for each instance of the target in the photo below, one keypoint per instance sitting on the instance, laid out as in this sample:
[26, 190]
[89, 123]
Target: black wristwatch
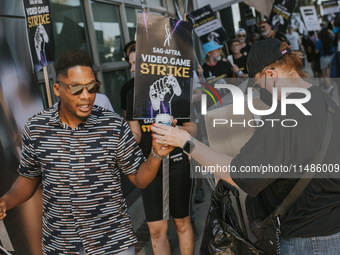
[189, 146]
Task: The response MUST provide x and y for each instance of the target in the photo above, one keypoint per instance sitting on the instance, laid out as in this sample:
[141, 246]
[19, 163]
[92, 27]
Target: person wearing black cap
[312, 224]
[268, 32]
[130, 51]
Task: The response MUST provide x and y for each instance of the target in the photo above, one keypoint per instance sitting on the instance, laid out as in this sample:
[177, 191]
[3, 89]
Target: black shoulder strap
[308, 176]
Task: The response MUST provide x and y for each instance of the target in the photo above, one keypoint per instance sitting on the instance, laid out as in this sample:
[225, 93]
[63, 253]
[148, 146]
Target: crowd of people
[84, 208]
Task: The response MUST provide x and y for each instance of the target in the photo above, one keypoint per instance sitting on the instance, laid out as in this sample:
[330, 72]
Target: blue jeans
[322, 245]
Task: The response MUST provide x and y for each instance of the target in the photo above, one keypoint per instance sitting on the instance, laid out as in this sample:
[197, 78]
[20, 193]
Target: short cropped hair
[128, 48]
[71, 59]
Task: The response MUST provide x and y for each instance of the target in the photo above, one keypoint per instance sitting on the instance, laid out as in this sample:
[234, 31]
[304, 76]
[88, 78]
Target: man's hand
[161, 150]
[235, 68]
[3, 207]
[173, 122]
[149, 168]
[199, 70]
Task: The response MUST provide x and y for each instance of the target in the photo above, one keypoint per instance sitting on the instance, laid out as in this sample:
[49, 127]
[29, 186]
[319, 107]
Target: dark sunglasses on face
[78, 88]
[241, 35]
[263, 27]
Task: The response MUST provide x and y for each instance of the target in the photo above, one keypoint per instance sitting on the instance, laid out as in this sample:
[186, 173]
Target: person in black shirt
[241, 35]
[123, 93]
[312, 224]
[180, 187]
[180, 182]
[253, 39]
[130, 51]
[215, 70]
[240, 60]
[267, 32]
[312, 57]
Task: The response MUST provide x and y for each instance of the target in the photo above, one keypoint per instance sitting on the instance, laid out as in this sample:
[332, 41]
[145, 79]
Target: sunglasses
[241, 36]
[262, 27]
[78, 88]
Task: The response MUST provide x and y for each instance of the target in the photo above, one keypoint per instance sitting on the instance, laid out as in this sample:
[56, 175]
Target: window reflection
[131, 16]
[69, 26]
[114, 82]
[151, 2]
[155, 3]
[108, 30]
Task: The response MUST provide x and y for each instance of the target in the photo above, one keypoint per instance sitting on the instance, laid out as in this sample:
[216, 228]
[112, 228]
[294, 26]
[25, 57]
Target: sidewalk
[136, 211]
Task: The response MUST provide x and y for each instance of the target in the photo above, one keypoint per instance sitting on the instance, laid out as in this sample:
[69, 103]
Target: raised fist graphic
[212, 36]
[277, 21]
[160, 88]
[40, 38]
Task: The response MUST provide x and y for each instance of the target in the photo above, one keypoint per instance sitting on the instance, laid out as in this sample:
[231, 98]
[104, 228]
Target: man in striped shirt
[76, 150]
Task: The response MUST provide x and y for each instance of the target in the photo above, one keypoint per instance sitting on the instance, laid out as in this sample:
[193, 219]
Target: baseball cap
[241, 30]
[263, 21]
[210, 46]
[262, 54]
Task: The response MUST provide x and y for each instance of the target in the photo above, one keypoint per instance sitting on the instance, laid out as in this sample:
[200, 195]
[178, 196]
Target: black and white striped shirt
[82, 196]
